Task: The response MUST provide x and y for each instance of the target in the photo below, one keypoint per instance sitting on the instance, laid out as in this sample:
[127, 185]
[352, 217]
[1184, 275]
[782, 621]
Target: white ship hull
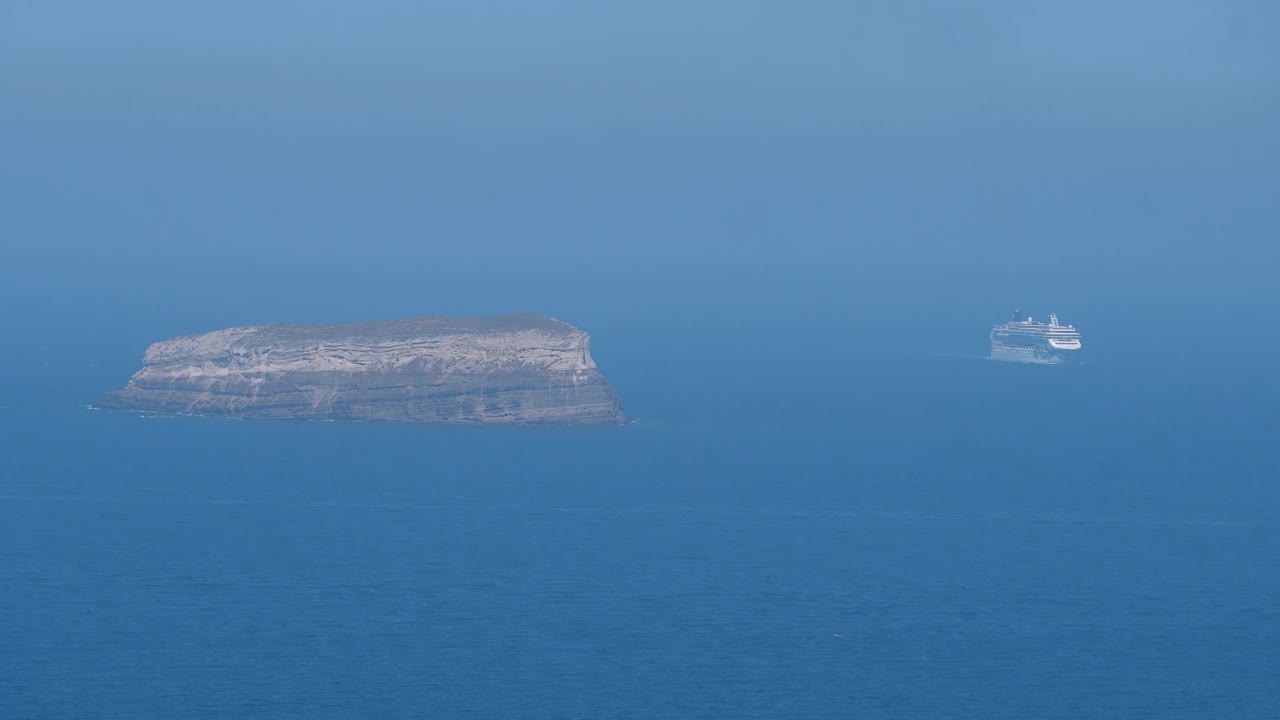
[1029, 355]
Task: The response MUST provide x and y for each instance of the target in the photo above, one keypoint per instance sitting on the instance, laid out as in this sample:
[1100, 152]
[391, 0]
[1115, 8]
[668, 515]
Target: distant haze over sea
[788, 229]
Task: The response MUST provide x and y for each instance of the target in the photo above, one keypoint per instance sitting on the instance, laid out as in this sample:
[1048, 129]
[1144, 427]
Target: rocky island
[487, 370]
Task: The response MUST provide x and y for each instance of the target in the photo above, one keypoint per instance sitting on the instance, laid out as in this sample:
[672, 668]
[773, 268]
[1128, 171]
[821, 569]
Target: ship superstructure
[1022, 339]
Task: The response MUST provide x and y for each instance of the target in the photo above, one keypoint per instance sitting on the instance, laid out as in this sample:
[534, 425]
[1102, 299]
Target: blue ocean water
[840, 522]
[788, 228]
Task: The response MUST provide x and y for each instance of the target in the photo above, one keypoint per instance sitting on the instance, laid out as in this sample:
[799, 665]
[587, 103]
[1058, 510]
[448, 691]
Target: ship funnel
[1018, 315]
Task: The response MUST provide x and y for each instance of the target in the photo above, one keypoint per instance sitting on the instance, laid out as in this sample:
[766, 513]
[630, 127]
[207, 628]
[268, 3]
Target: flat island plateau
[506, 369]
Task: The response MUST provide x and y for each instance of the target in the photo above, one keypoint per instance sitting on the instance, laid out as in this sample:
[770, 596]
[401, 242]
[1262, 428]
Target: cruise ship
[1022, 339]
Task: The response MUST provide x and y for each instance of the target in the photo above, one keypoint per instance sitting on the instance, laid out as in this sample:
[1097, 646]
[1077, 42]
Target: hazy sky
[1077, 148]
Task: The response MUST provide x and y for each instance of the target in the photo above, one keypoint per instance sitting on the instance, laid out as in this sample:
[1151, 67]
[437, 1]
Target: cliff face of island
[504, 369]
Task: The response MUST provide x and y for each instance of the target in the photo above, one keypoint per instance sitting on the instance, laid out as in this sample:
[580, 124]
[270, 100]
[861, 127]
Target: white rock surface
[503, 369]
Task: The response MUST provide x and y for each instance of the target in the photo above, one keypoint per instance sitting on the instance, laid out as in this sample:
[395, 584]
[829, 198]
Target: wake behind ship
[1022, 339]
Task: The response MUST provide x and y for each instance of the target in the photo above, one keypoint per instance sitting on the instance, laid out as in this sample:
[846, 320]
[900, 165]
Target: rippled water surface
[920, 537]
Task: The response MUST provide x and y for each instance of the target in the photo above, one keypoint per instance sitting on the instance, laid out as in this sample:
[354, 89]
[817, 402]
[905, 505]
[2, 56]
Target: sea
[824, 509]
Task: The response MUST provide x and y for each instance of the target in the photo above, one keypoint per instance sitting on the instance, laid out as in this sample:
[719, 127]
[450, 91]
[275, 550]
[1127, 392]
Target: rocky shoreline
[509, 369]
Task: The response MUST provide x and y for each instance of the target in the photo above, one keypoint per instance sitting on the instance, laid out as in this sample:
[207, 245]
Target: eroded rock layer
[502, 369]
